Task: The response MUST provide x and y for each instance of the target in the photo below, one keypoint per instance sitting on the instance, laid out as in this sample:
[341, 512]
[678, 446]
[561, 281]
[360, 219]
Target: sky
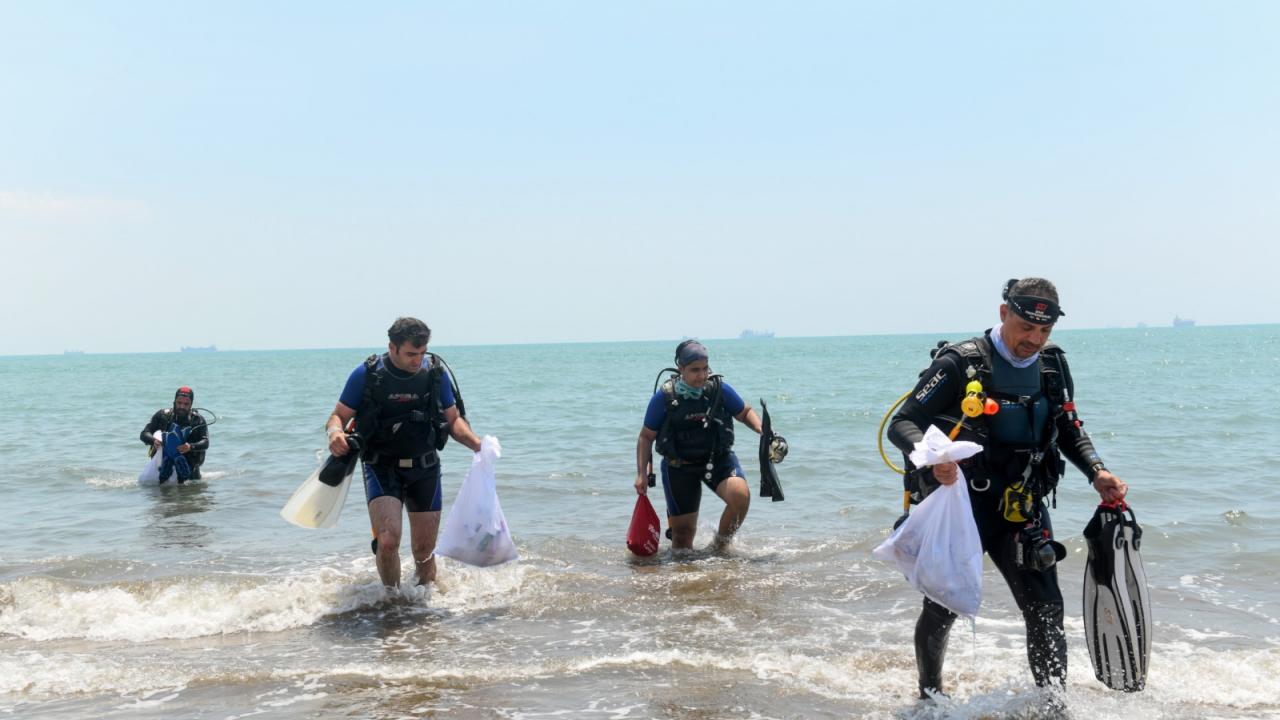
[298, 174]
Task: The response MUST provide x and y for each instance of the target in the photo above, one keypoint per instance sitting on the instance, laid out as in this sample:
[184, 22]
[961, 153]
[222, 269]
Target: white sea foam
[464, 588]
[986, 678]
[40, 608]
[40, 674]
[112, 480]
[45, 609]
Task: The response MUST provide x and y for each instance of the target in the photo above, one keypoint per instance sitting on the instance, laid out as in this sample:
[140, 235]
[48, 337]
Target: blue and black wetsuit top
[399, 415]
[691, 430]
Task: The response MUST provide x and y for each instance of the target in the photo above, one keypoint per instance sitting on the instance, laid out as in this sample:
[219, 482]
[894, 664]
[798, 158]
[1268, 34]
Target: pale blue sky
[290, 175]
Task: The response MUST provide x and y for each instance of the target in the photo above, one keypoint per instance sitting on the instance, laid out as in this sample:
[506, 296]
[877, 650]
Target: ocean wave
[38, 675]
[43, 608]
[984, 681]
[36, 608]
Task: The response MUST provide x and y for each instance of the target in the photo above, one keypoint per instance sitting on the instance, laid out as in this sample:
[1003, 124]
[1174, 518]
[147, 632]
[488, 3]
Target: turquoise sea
[198, 601]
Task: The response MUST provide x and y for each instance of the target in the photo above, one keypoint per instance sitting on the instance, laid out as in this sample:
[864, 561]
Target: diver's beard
[181, 414]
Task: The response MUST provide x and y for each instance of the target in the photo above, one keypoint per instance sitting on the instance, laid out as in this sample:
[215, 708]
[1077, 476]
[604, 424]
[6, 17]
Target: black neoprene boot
[932, 630]
[1046, 644]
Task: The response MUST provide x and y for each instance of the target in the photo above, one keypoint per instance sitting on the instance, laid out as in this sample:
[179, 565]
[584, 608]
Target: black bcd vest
[401, 417]
[695, 429]
[998, 462]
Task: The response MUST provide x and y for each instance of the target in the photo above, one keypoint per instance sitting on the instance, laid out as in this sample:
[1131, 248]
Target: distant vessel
[206, 348]
[1183, 322]
[754, 335]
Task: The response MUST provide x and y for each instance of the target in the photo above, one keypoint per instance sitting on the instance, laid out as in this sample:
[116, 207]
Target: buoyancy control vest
[400, 416]
[695, 429]
[1020, 440]
[1024, 408]
[198, 430]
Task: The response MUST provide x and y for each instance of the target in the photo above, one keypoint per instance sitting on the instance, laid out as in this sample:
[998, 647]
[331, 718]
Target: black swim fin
[337, 469]
[770, 486]
[1117, 603]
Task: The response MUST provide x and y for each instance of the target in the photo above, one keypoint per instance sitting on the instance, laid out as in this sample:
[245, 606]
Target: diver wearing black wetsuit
[1017, 472]
[182, 414]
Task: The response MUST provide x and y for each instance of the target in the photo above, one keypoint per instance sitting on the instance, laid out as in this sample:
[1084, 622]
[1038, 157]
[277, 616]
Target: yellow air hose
[974, 404]
[906, 494]
[880, 434]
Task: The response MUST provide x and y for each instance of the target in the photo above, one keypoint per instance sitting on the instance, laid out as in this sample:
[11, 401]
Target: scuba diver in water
[189, 422]
[405, 407]
[691, 419]
[1029, 424]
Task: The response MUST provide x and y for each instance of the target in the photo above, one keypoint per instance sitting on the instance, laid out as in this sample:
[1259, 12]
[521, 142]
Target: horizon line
[76, 352]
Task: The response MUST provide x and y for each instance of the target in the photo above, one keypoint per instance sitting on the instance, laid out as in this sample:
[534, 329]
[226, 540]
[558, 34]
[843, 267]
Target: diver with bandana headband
[185, 417]
[1032, 423]
[690, 418]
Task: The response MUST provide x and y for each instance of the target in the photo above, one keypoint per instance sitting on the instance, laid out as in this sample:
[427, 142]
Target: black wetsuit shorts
[418, 487]
[683, 483]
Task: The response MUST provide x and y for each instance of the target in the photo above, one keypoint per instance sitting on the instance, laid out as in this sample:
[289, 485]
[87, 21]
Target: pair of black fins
[336, 469]
[1117, 604]
[770, 486]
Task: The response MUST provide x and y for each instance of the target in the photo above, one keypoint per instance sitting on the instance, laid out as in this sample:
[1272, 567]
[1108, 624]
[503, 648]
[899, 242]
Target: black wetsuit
[1026, 427]
[198, 437]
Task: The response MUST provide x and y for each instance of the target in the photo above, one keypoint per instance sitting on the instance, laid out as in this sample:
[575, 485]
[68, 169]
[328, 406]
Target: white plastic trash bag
[475, 532]
[937, 547]
[936, 448]
[150, 474]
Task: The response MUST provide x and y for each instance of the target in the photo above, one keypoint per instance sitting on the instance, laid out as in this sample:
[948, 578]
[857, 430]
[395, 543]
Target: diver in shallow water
[189, 422]
[1027, 384]
[404, 409]
[690, 418]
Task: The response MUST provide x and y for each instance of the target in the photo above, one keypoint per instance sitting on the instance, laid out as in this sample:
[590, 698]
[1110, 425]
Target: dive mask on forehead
[1038, 310]
[1033, 309]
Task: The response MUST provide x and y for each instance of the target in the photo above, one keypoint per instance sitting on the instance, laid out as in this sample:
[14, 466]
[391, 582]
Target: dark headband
[185, 392]
[690, 351]
[1038, 310]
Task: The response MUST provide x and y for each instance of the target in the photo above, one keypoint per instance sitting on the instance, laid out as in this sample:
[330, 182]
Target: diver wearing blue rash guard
[1018, 470]
[404, 411]
[691, 420]
[417, 486]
